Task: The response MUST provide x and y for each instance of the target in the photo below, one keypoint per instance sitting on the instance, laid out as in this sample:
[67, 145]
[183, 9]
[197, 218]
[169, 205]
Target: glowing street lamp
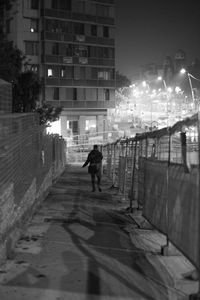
[161, 79]
[183, 71]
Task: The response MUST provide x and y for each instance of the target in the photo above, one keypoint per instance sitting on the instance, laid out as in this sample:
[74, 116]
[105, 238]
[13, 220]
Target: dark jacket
[94, 157]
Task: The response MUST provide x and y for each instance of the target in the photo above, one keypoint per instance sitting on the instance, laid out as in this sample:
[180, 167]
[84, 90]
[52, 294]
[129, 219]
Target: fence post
[114, 166]
[197, 296]
[125, 169]
[133, 174]
[165, 248]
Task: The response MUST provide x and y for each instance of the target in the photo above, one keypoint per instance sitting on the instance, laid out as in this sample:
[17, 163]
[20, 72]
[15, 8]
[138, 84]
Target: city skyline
[147, 32]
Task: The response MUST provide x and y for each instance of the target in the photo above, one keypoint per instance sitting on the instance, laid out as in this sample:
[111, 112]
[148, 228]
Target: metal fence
[30, 160]
[159, 172]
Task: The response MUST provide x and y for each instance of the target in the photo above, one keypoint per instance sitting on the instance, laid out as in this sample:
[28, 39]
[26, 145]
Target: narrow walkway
[78, 246]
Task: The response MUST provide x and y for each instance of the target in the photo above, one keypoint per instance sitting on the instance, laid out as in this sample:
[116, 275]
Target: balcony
[83, 104]
[68, 15]
[63, 37]
[69, 60]
[58, 14]
[55, 36]
[55, 81]
[105, 1]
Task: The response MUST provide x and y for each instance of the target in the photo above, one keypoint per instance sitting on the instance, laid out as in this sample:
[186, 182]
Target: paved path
[78, 246]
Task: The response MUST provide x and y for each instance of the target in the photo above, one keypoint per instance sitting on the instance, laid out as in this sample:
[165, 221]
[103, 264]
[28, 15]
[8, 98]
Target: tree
[25, 95]
[26, 91]
[26, 85]
[48, 113]
[11, 60]
[122, 80]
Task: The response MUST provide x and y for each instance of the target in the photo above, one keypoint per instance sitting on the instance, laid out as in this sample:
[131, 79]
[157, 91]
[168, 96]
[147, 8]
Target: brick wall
[29, 161]
[5, 97]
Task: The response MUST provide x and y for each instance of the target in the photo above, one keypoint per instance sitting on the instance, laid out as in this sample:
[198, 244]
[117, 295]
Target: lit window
[50, 72]
[103, 75]
[33, 25]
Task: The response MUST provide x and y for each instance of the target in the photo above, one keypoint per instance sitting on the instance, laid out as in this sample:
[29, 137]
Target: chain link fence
[158, 172]
[30, 160]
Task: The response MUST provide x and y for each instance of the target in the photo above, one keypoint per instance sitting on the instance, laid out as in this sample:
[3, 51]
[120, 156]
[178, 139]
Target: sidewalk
[47, 265]
[178, 266]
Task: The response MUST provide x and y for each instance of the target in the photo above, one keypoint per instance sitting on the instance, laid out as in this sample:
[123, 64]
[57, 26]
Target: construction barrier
[159, 171]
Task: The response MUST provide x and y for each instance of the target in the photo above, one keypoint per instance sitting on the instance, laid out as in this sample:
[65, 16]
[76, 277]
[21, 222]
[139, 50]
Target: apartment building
[71, 44]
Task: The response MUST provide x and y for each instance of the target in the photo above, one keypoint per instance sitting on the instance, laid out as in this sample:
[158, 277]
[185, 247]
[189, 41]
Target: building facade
[71, 44]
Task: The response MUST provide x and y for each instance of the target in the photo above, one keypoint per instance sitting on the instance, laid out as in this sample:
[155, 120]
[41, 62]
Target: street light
[168, 91]
[161, 79]
[183, 71]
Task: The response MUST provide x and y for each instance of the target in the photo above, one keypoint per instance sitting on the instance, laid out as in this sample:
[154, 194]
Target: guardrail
[160, 171]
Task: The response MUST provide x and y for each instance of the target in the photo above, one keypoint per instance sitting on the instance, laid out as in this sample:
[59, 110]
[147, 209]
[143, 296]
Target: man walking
[94, 160]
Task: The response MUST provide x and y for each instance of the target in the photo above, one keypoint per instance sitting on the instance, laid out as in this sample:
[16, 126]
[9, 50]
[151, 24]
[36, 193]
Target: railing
[78, 146]
[64, 14]
[83, 104]
[159, 172]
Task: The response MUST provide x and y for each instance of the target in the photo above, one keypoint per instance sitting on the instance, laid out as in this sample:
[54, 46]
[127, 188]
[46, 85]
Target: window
[56, 93]
[54, 4]
[94, 30]
[111, 53]
[73, 126]
[106, 94]
[33, 25]
[61, 4]
[55, 49]
[53, 71]
[105, 75]
[102, 10]
[94, 73]
[65, 27]
[74, 93]
[79, 6]
[34, 68]
[79, 73]
[31, 48]
[105, 31]
[52, 26]
[69, 50]
[79, 28]
[92, 51]
[80, 51]
[49, 72]
[34, 4]
[66, 72]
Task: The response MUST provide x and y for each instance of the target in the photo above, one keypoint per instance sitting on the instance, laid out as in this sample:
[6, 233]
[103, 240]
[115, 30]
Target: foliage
[121, 80]
[48, 113]
[26, 85]
[25, 92]
[11, 60]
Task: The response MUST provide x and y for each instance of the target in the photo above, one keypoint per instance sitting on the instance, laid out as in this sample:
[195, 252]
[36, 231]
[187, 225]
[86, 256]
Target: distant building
[168, 70]
[71, 45]
[179, 60]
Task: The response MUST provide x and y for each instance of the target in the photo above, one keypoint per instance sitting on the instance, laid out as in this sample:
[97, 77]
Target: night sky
[149, 30]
